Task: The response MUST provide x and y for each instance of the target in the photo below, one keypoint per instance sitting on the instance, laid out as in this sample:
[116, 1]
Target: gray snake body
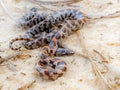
[67, 21]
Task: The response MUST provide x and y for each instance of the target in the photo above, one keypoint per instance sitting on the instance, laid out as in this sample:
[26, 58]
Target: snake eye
[63, 52]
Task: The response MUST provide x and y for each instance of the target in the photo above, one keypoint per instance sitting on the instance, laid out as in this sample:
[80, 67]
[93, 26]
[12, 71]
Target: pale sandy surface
[102, 35]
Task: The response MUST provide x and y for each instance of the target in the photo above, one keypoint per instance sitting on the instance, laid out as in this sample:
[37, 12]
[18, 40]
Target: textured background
[103, 35]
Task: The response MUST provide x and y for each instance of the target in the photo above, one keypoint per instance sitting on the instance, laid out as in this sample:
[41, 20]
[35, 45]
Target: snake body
[47, 31]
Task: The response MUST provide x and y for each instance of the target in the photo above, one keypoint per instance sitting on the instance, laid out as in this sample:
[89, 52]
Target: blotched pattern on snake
[48, 30]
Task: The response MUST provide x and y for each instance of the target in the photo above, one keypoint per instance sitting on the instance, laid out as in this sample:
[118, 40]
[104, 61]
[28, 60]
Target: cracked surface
[102, 35]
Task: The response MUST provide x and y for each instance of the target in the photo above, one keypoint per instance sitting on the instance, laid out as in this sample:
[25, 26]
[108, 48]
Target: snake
[46, 31]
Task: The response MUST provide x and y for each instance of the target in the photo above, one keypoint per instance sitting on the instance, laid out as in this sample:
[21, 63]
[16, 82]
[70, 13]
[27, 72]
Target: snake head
[63, 51]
